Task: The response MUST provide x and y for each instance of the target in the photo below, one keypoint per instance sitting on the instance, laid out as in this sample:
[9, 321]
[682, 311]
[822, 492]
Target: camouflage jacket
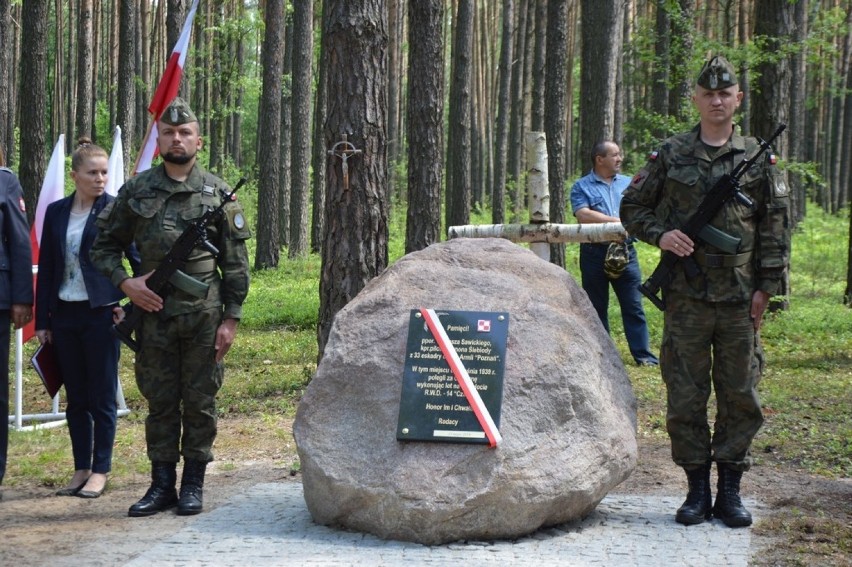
[153, 210]
[668, 191]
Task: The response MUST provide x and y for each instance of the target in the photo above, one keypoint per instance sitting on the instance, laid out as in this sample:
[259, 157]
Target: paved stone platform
[269, 525]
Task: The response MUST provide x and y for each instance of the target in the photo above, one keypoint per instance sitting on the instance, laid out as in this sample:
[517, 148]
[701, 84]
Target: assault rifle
[698, 225]
[176, 259]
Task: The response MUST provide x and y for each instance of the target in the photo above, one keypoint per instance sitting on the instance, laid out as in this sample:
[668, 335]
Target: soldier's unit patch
[639, 178]
[779, 187]
[239, 221]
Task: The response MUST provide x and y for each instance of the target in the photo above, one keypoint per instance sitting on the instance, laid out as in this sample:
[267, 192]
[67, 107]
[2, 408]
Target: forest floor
[804, 520]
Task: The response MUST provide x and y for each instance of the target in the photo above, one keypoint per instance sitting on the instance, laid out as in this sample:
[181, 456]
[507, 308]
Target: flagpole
[144, 145]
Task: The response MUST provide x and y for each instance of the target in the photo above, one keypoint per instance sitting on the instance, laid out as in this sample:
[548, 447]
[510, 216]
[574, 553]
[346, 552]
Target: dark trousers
[5, 334]
[87, 353]
[596, 285]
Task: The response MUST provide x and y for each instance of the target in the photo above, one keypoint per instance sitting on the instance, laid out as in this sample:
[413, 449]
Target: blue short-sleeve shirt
[591, 191]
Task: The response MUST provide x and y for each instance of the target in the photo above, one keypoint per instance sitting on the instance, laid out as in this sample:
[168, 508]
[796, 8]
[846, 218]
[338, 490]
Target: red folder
[45, 363]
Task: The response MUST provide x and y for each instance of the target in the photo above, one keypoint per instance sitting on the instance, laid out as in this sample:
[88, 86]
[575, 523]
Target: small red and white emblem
[483, 325]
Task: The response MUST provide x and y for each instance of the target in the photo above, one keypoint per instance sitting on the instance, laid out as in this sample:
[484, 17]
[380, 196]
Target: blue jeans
[596, 285]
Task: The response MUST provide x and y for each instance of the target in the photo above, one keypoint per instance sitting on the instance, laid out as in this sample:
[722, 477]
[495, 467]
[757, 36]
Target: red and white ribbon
[463, 378]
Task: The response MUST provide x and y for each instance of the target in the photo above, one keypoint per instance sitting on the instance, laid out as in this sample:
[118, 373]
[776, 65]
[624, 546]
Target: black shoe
[729, 507]
[191, 488]
[697, 506]
[161, 495]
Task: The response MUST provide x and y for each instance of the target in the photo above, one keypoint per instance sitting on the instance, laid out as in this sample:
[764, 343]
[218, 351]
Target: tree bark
[425, 123]
[458, 140]
[771, 103]
[126, 107]
[286, 150]
[6, 49]
[83, 120]
[269, 162]
[505, 75]
[601, 40]
[797, 131]
[539, 65]
[34, 92]
[320, 158]
[355, 247]
[303, 52]
[554, 115]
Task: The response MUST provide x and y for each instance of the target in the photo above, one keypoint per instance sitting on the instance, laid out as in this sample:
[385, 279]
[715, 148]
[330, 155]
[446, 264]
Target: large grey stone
[568, 414]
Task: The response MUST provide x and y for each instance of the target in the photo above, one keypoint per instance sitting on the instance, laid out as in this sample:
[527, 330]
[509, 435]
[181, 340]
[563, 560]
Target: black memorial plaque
[433, 406]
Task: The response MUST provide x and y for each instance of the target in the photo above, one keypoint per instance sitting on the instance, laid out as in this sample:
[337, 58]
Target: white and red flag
[166, 91]
[115, 165]
[52, 189]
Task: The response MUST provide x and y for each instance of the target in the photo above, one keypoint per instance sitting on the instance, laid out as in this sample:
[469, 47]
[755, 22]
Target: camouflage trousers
[711, 344]
[177, 373]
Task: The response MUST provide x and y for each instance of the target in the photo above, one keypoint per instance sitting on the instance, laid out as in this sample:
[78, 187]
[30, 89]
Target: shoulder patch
[639, 178]
[779, 186]
[653, 155]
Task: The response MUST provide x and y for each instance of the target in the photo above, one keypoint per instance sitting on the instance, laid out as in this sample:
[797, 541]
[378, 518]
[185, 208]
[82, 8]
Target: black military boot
[697, 506]
[162, 494]
[191, 487]
[729, 508]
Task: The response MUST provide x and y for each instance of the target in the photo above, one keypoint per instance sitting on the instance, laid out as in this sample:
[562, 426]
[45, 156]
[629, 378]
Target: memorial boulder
[567, 419]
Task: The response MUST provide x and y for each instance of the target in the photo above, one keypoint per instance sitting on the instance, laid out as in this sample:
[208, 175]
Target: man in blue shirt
[596, 198]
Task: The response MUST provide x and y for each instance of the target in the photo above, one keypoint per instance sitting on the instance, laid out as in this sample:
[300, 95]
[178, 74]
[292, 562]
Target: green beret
[177, 113]
[717, 73]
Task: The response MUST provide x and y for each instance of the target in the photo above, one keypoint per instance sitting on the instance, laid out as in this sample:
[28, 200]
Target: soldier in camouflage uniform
[184, 336]
[713, 315]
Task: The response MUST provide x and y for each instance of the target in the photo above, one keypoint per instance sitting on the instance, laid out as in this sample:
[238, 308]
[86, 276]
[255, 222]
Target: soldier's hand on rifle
[140, 295]
[677, 242]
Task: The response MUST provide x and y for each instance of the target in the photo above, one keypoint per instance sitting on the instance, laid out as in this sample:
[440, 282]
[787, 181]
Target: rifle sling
[722, 260]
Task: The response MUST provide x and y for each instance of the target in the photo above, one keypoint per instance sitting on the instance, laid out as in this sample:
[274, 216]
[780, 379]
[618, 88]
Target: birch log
[550, 233]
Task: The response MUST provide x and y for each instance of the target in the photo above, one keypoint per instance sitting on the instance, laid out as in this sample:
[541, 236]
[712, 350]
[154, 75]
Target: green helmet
[616, 260]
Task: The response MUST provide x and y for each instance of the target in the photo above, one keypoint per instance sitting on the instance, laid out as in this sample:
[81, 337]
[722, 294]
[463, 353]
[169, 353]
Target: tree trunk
[34, 92]
[774, 21]
[303, 52]
[539, 63]
[660, 80]
[425, 123]
[266, 254]
[499, 188]
[797, 132]
[554, 115]
[516, 117]
[355, 248]
[320, 158]
[6, 50]
[458, 140]
[286, 150]
[683, 28]
[126, 107]
[601, 40]
[83, 120]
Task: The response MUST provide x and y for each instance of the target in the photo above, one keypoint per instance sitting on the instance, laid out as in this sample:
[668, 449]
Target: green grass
[807, 388]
